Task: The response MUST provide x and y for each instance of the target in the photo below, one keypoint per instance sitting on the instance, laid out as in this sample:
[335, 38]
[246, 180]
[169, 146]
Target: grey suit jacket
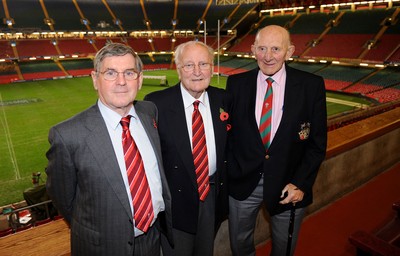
[86, 186]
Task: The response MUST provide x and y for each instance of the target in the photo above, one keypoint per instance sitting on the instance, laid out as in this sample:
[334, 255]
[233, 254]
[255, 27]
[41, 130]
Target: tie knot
[270, 81]
[196, 104]
[125, 122]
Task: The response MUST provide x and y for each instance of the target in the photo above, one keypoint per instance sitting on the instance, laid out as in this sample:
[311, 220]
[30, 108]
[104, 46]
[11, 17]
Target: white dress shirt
[204, 108]
[112, 120]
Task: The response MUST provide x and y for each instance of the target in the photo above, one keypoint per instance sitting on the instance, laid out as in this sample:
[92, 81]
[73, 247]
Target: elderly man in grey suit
[105, 172]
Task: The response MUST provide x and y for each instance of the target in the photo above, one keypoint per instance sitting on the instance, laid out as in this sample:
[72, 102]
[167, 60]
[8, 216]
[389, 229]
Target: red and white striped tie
[200, 156]
[140, 191]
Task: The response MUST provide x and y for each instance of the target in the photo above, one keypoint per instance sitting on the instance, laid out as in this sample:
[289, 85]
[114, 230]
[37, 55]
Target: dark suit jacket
[178, 158]
[85, 182]
[291, 158]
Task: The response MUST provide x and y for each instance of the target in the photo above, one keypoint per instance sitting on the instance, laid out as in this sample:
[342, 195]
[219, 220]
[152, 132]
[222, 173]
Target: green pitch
[29, 109]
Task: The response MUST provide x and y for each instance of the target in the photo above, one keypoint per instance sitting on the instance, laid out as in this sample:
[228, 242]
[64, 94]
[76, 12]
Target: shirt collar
[111, 117]
[278, 76]
[189, 99]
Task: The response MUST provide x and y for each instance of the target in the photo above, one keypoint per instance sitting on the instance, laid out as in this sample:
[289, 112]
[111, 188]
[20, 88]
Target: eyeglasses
[190, 67]
[111, 74]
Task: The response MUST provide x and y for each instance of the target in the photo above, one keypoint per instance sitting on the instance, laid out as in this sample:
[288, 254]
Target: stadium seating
[78, 67]
[35, 48]
[332, 35]
[79, 47]
[385, 241]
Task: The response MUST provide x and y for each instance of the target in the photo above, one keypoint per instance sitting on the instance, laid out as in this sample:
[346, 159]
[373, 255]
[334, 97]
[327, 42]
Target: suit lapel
[179, 131]
[290, 102]
[252, 90]
[216, 106]
[150, 127]
[103, 152]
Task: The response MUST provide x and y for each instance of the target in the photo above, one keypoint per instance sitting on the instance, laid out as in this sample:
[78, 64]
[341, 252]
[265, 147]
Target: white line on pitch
[9, 142]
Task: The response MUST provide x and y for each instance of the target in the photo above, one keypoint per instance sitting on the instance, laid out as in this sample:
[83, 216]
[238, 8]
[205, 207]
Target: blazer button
[267, 157]
[130, 243]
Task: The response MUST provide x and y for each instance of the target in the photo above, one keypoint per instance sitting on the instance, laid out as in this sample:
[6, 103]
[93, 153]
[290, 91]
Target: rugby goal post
[163, 79]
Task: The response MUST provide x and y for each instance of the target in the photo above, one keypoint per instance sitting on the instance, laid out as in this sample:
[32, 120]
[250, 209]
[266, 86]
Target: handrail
[15, 222]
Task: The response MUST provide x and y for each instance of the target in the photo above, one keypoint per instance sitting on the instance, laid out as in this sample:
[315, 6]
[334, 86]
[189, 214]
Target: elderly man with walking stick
[276, 145]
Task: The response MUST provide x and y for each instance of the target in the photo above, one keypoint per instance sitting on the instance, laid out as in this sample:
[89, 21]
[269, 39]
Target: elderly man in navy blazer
[87, 170]
[196, 215]
[277, 143]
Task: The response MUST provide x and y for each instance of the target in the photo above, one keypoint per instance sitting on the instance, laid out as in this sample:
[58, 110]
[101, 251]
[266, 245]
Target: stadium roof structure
[151, 15]
[168, 19]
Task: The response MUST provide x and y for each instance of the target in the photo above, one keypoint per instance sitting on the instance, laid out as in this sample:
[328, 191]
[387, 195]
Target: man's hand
[294, 195]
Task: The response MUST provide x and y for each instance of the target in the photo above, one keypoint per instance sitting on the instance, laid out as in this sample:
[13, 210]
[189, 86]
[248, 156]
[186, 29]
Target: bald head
[274, 30]
[271, 48]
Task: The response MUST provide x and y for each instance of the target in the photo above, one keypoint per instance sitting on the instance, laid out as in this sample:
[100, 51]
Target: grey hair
[179, 50]
[116, 49]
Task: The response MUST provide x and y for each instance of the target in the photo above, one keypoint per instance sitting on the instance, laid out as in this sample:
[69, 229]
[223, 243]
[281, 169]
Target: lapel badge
[304, 131]
[223, 115]
[154, 124]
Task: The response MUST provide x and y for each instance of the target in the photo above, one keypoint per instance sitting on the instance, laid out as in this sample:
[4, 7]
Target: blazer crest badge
[304, 131]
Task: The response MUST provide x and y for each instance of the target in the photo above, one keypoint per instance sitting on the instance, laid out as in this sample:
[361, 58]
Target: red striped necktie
[266, 115]
[139, 187]
[200, 156]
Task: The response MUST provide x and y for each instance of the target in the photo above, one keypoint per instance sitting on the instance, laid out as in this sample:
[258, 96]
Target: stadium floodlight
[8, 21]
[85, 21]
[48, 21]
[117, 22]
[147, 22]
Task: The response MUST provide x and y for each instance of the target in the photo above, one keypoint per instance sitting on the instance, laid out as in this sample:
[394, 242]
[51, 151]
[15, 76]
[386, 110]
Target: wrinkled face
[195, 69]
[271, 48]
[118, 92]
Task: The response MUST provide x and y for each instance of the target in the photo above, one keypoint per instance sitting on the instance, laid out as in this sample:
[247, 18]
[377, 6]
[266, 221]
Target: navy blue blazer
[178, 159]
[297, 149]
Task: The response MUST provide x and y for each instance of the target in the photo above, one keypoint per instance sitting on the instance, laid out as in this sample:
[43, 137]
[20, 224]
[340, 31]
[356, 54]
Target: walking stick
[290, 233]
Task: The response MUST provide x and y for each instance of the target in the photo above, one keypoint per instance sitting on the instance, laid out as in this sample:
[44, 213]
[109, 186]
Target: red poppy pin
[154, 124]
[224, 116]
